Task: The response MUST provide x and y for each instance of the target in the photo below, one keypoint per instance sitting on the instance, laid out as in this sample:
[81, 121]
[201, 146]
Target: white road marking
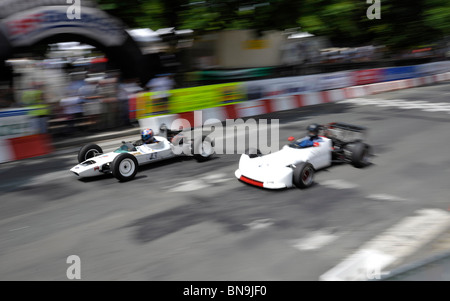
[260, 223]
[385, 197]
[438, 107]
[425, 106]
[413, 105]
[200, 183]
[390, 103]
[360, 101]
[391, 247]
[21, 228]
[315, 240]
[363, 265]
[339, 184]
[216, 178]
[190, 186]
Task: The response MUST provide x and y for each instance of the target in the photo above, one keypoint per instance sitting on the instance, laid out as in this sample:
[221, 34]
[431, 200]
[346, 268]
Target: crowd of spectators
[81, 101]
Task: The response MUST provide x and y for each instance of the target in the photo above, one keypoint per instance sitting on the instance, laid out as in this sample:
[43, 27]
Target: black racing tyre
[253, 152]
[89, 151]
[124, 167]
[360, 153]
[303, 175]
[203, 150]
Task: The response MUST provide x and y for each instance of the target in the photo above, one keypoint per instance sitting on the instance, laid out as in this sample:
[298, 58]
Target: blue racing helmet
[313, 130]
[147, 135]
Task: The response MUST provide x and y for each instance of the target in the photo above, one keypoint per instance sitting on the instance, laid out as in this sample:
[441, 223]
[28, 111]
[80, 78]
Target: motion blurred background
[76, 65]
[92, 71]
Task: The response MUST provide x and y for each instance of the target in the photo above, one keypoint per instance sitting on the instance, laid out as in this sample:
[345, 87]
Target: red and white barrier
[217, 113]
[6, 151]
[368, 76]
[252, 108]
[284, 102]
[36, 145]
[24, 147]
[288, 102]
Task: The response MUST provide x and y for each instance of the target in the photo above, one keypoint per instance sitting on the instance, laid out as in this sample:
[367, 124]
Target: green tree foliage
[437, 15]
[403, 24]
[342, 21]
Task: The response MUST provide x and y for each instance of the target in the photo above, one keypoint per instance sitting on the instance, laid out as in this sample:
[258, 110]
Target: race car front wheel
[204, 149]
[303, 175]
[253, 153]
[124, 167]
[89, 151]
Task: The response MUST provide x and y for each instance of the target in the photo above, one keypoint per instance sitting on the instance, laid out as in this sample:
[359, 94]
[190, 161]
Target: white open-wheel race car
[296, 166]
[124, 161]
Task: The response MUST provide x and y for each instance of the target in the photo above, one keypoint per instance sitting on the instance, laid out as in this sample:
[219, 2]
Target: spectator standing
[127, 88]
[161, 86]
[108, 93]
[72, 111]
[92, 107]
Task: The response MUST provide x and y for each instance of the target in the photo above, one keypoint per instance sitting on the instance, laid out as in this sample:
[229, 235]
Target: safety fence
[21, 137]
[243, 99]
[20, 133]
[285, 102]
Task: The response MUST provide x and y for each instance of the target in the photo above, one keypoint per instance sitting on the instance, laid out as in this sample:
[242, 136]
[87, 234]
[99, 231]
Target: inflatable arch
[25, 23]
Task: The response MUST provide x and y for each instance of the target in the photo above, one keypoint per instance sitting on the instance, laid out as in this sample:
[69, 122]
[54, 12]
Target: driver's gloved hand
[306, 143]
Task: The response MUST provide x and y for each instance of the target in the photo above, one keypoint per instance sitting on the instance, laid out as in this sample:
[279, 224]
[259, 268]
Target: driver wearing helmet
[312, 138]
[147, 137]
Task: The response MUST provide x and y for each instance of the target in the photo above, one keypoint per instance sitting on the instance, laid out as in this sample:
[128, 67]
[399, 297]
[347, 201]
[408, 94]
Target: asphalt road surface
[185, 220]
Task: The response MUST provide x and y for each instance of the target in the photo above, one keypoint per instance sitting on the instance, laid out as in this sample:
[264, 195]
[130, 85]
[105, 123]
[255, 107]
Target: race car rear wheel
[89, 151]
[303, 175]
[204, 149]
[360, 154]
[124, 167]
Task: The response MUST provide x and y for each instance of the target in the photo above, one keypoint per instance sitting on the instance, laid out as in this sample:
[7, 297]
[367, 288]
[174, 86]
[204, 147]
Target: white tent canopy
[144, 35]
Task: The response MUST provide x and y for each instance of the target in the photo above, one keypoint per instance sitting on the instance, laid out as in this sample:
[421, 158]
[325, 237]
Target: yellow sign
[148, 104]
[198, 98]
[38, 110]
[256, 44]
[142, 109]
[189, 99]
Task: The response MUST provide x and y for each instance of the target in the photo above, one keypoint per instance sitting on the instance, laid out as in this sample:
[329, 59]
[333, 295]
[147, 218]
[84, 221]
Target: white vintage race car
[124, 161]
[295, 166]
